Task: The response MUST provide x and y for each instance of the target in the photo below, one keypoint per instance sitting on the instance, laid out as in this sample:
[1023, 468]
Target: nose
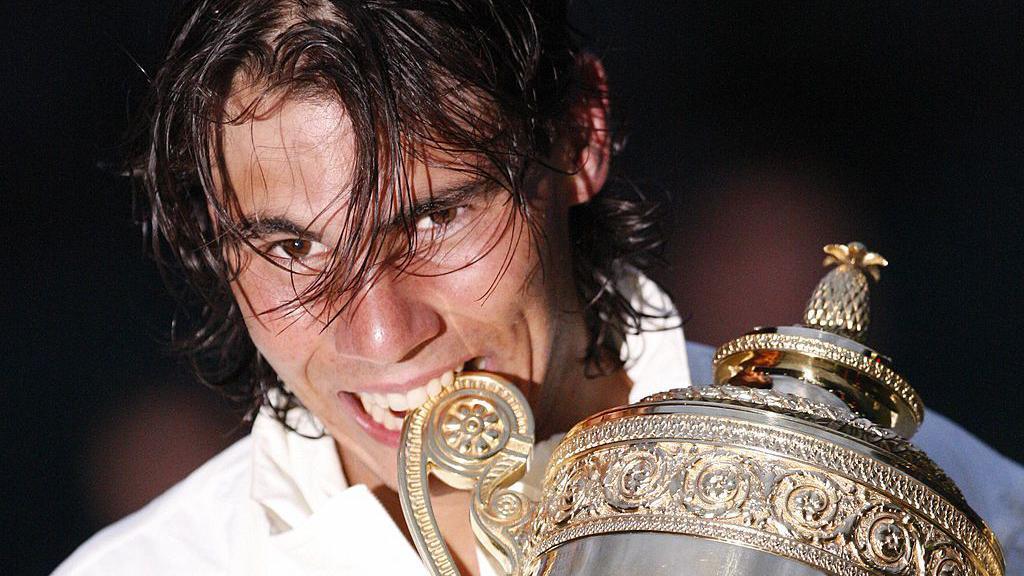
[390, 322]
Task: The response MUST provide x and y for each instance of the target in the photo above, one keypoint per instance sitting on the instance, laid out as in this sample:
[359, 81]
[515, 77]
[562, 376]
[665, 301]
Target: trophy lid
[825, 359]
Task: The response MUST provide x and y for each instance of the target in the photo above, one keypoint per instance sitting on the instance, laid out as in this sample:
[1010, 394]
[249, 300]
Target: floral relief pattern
[688, 484]
[719, 484]
[472, 428]
[636, 477]
[886, 540]
[946, 561]
[811, 506]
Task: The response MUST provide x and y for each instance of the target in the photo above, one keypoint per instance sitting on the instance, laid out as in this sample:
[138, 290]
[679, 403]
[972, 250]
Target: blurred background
[769, 130]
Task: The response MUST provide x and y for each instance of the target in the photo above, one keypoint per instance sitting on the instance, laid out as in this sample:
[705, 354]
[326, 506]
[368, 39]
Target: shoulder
[991, 482]
[187, 530]
[699, 358]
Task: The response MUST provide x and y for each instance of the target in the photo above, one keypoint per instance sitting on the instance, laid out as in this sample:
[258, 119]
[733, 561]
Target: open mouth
[388, 410]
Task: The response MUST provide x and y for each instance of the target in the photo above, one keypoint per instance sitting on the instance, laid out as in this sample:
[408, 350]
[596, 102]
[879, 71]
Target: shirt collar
[294, 472]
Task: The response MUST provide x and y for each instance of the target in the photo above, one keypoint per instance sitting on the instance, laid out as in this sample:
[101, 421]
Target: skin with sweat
[289, 168]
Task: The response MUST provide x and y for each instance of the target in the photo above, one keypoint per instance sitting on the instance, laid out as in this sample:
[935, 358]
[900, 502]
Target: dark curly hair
[497, 78]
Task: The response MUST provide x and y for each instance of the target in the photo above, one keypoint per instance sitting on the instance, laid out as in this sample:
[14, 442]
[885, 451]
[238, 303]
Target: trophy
[794, 461]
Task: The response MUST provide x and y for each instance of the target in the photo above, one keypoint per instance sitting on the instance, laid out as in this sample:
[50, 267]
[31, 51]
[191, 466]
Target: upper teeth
[381, 407]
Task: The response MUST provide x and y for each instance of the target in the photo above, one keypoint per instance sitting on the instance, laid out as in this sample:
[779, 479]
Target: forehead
[298, 157]
[289, 155]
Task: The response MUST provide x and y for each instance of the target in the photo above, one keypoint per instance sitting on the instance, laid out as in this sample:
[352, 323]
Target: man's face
[479, 292]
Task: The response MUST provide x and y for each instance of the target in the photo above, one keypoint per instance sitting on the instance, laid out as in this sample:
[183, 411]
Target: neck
[567, 396]
[581, 399]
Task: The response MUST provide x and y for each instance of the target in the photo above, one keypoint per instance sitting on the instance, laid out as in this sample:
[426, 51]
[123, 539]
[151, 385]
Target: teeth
[433, 387]
[392, 422]
[416, 397]
[396, 402]
[381, 406]
[378, 413]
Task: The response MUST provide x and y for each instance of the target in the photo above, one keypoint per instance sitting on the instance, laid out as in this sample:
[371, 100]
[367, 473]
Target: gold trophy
[795, 461]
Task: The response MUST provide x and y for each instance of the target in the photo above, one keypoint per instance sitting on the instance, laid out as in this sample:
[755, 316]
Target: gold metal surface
[743, 475]
[475, 434]
[890, 446]
[840, 301]
[861, 379]
[827, 351]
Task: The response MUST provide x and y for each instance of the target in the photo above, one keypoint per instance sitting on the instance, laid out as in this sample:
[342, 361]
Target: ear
[593, 144]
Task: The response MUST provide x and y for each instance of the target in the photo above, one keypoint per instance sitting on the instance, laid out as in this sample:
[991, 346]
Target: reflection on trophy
[795, 461]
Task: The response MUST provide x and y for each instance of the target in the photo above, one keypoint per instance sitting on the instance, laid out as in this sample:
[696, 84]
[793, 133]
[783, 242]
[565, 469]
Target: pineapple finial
[840, 301]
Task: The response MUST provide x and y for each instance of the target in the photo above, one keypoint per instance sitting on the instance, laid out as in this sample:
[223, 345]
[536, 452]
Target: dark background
[771, 130]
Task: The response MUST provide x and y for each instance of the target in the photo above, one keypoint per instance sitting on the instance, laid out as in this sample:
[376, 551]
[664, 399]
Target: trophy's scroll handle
[476, 434]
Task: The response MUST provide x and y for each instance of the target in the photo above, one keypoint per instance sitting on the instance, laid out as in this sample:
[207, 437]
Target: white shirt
[276, 504]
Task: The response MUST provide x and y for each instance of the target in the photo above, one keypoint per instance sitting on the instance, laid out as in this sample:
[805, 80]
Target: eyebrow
[259, 225]
[448, 197]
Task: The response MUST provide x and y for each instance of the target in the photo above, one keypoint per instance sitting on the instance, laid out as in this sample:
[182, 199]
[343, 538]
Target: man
[368, 198]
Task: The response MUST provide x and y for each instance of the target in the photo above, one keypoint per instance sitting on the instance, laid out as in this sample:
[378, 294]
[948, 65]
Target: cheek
[497, 271]
[283, 333]
[506, 291]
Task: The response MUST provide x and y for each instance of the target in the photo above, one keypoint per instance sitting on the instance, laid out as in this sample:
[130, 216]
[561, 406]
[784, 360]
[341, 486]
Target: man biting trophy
[374, 201]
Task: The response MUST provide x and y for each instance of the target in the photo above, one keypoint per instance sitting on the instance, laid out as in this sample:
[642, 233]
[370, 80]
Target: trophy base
[659, 554]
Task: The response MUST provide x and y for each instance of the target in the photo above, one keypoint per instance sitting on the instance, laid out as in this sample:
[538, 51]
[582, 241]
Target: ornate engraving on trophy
[471, 427]
[719, 484]
[779, 504]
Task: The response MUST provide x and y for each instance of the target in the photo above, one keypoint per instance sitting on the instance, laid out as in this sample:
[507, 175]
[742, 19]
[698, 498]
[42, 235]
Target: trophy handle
[477, 433]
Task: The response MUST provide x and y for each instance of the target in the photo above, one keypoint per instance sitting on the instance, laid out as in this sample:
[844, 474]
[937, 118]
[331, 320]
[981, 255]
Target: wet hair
[496, 78]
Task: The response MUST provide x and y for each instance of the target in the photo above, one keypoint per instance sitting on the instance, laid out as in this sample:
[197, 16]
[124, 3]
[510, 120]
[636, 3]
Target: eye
[439, 218]
[298, 249]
